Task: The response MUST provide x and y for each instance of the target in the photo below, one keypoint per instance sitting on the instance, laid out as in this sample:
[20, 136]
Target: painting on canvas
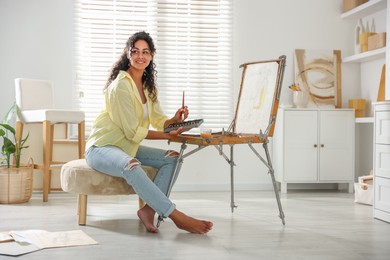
[319, 73]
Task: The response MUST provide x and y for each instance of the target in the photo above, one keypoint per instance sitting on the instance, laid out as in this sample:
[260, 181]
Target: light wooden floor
[319, 225]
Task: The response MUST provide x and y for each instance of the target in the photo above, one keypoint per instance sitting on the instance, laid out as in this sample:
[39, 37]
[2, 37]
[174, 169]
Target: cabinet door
[300, 153]
[382, 160]
[382, 194]
[382, 127]
[337, 136]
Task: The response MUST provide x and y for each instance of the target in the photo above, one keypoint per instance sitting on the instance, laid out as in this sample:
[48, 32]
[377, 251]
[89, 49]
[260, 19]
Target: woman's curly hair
[123, 63]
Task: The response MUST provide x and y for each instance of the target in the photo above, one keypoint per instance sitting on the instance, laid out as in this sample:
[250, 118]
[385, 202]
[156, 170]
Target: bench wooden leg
[82, 209]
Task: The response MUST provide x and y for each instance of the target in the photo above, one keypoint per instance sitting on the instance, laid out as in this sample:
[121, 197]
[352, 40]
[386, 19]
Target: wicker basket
[16, 184]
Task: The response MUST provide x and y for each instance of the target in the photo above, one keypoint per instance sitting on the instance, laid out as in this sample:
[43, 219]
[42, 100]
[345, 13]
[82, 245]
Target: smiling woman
[114, 145]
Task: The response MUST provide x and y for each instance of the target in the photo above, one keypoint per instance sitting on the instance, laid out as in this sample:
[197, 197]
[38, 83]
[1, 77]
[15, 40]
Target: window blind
[193, 39]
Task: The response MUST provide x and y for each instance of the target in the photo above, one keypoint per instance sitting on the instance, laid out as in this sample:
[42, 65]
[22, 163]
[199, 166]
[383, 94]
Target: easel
[230, 137]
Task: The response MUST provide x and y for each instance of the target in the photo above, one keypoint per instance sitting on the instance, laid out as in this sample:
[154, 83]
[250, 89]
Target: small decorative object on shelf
[359, 105]
[363, 34]
[300, 98]
[363, 40]
[376, 41]
[358, 30]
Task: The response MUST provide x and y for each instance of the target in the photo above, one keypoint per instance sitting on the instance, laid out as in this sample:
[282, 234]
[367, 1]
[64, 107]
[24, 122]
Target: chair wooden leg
[47, 134]
[82, 208]
[81, 135]
[51, 154]
[18, 132]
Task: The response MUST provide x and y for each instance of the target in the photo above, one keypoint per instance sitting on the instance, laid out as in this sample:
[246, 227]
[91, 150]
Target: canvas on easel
[257, 97]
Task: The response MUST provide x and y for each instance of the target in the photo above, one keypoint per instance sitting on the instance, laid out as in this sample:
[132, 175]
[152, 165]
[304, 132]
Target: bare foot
[146, 215]
[190, 224]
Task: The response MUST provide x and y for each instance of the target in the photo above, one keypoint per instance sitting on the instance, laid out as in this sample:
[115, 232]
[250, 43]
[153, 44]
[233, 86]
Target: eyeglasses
[137, 52]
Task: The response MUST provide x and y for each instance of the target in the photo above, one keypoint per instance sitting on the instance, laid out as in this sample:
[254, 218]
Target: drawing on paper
[257, 96]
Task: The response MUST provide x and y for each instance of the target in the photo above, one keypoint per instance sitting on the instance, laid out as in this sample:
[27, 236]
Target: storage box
[350, 4]
[376, 41]
[364, 193]
[368, 179]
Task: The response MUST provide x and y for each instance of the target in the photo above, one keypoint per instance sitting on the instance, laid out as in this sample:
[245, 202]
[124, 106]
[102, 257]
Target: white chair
[35, 100]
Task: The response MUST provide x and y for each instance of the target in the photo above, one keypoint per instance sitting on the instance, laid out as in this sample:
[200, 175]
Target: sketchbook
[187, 125]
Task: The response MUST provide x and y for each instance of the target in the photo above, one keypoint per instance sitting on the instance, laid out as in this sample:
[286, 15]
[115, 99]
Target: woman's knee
[132, 164]
[172, 153]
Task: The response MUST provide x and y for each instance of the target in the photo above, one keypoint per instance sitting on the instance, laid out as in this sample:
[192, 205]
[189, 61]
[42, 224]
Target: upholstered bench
[77, 177]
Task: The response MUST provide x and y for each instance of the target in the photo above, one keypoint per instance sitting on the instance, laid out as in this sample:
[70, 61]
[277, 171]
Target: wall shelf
[370, 7]
[366, 56]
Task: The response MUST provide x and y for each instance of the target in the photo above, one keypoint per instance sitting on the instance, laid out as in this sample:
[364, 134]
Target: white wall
[37, 43]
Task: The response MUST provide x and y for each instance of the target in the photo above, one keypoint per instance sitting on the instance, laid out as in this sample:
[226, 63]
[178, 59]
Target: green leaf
[9, 128]
[8, 146]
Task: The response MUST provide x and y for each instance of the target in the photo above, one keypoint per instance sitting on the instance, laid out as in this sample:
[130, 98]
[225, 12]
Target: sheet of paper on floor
[27, 241]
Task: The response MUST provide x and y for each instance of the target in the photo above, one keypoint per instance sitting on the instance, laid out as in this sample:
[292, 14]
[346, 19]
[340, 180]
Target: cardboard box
[376, 41]
[350, 4]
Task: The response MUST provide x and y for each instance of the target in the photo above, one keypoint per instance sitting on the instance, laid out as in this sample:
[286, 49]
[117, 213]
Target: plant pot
[16, 184]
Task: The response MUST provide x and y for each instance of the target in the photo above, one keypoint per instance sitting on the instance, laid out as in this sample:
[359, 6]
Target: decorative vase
[300, 99]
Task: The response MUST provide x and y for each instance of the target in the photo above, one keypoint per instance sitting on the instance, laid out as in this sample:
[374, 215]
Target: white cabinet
[314, 146]
[382, 161]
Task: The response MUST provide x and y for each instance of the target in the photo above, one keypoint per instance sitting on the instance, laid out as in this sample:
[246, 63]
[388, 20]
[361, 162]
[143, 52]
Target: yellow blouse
[121, 123]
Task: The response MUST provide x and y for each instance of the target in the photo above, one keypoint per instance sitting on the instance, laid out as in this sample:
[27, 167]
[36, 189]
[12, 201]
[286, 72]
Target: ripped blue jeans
[113, 161]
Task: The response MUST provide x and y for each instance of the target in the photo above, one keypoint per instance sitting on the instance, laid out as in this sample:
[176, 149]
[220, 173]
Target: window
[193, 39]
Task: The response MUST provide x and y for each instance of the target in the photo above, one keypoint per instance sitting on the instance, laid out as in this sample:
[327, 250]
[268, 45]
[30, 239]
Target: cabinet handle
[322, 145]
[315, 146]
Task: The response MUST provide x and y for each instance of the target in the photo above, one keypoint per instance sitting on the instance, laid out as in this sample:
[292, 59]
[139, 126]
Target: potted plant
[12, 146]
[15, 179]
